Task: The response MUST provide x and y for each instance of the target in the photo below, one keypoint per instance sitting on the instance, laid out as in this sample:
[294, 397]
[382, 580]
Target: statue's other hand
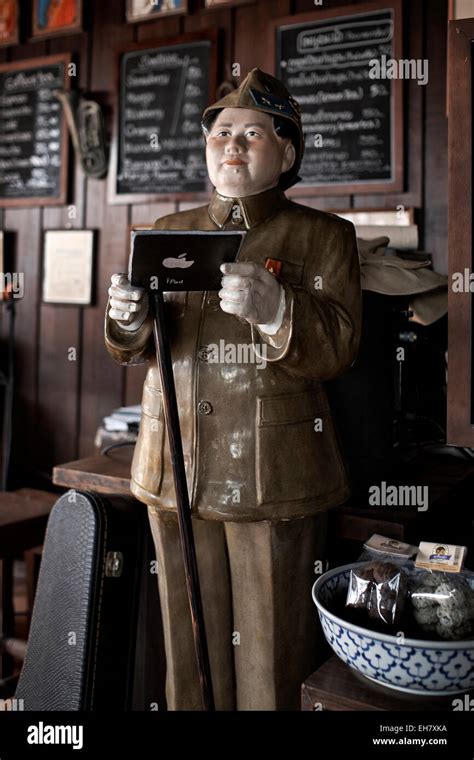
[128, 303]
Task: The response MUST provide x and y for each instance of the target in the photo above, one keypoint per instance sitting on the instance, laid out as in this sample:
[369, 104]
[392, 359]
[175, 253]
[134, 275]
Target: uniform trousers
[261, 622]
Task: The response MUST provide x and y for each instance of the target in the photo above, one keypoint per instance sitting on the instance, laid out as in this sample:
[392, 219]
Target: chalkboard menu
[163, 92]
[352, 119]
[33, 136]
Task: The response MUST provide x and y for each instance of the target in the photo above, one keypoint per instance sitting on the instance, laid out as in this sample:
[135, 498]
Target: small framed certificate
[68, 266]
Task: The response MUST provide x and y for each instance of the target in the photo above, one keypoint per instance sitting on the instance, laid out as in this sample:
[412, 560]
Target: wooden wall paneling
[141, 214]
[413, 48]
[220, 18]
[156, 30]
[102, 380]
[326, 202]
[304, 6]
[460, 425]
[147, 213]
[435, 138]
[61, 326]
[414, 16]
[414, 93]
[4, 317]
[26, 223]
[3, 59]
[188, 205]
[251, 34]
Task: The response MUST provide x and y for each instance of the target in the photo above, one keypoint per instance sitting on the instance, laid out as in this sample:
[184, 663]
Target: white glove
[128, 303]
[250, 291]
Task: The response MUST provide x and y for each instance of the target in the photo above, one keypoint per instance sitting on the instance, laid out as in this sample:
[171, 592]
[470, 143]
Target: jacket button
[204, 407]
[204, 353]
[213, 303]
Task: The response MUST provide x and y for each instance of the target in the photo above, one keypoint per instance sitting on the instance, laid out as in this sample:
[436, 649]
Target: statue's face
[244, 154]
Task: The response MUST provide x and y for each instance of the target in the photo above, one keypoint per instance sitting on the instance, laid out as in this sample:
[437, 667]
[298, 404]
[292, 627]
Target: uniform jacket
[259, 443]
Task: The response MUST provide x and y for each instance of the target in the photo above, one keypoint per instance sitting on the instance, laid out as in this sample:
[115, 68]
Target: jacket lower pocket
[147, 463]
[297, 455]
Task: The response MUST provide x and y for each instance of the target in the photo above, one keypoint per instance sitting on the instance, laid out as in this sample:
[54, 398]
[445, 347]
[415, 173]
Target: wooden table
[336, 686]
[109, 473]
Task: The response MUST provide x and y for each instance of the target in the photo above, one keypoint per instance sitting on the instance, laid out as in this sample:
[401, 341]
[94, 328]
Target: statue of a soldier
[261, 454]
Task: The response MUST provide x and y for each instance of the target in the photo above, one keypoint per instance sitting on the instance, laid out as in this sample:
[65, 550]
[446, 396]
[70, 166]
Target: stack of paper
[126, 418]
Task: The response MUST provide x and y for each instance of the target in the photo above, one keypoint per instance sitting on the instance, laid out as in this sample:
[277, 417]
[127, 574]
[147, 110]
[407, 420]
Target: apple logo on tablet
[179, 263]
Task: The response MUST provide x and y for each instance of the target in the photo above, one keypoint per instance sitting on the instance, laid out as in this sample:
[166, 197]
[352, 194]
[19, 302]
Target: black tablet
[168, 260]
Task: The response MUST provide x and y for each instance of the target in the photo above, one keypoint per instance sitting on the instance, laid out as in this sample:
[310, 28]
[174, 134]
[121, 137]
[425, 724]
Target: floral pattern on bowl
[410, 665]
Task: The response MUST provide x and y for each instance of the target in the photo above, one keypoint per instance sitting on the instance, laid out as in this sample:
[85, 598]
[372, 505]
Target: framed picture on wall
[8, 22]
[146, 10]
[68, 266]
[53, 17]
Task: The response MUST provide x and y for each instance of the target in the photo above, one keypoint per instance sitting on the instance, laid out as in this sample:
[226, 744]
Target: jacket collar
[255, 209]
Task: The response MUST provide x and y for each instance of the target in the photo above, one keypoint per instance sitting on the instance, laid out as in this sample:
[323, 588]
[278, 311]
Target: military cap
[262, 92]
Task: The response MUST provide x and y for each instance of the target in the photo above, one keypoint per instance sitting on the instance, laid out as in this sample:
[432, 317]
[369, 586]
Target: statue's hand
[250, 291]
[128, 303]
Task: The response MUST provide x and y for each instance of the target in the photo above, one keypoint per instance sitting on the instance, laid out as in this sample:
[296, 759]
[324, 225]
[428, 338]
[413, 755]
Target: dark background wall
[59, 403]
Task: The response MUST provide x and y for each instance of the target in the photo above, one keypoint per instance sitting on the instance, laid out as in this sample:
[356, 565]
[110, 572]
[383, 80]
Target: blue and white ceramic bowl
[411, 665]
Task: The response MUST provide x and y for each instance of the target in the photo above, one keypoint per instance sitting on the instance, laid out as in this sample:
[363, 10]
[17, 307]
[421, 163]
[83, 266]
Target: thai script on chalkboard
[162, 96]
[347, 116]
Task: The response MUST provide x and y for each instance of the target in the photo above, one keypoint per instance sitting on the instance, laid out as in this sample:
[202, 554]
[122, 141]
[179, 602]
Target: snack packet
[380, 588]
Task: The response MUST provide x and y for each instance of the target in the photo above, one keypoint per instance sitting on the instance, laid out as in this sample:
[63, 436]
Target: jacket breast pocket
[290, 271]
[147, 464]
[297, 454]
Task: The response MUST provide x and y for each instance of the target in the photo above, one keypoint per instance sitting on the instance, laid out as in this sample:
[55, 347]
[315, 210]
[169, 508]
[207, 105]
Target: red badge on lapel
[273, 266]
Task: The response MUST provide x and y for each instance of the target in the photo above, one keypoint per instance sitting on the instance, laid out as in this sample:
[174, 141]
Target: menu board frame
[59, 200]
[115, 197]
[387, 186]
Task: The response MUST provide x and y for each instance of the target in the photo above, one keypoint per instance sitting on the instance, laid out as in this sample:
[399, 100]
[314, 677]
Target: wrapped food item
[443, 604]
[381, 589]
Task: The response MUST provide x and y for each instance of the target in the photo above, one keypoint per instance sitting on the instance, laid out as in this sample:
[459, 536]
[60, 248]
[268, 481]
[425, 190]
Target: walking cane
[163, 357]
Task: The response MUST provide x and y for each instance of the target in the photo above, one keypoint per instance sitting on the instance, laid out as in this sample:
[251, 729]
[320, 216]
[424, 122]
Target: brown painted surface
[460, 336]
